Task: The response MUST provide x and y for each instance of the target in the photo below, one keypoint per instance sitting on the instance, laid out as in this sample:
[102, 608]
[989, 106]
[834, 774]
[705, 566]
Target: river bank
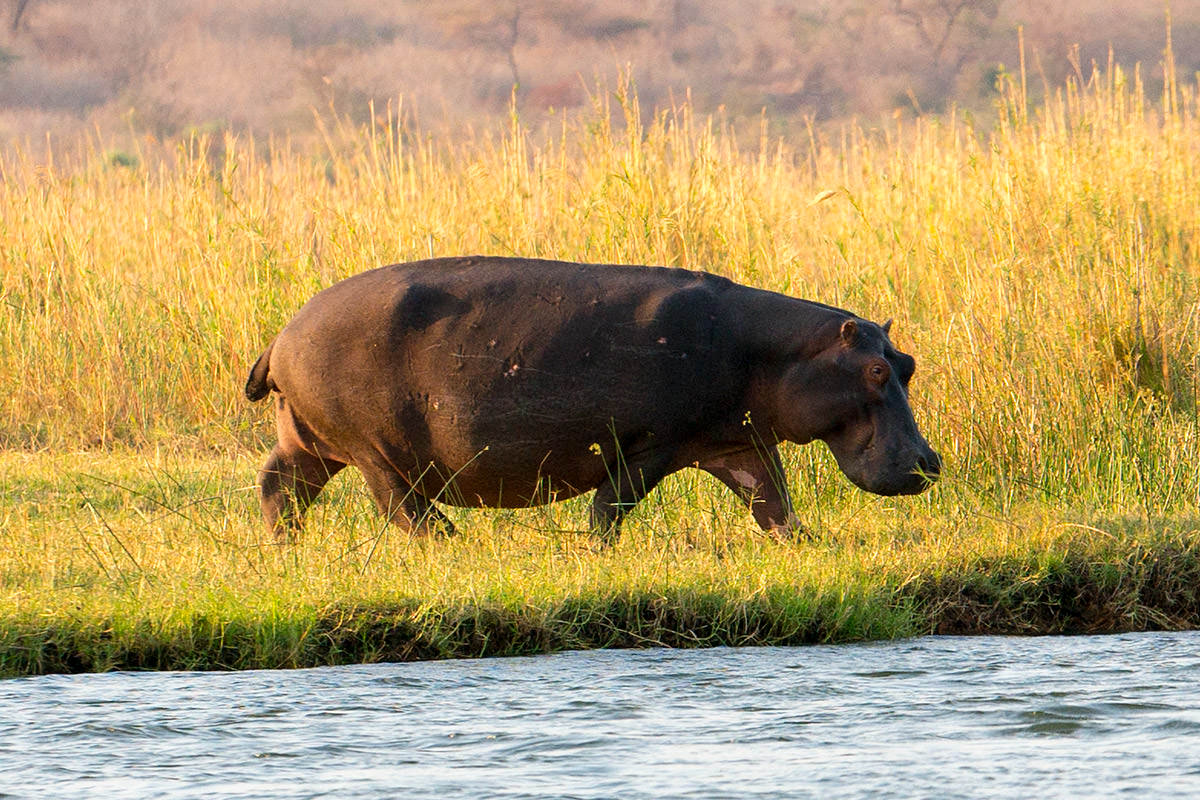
[131, 561]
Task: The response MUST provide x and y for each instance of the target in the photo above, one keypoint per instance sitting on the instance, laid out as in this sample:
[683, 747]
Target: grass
[155, 563]
[1044, 272]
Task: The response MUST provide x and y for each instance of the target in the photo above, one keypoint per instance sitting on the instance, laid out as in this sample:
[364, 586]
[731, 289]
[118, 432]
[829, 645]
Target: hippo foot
[434, 527]
[790, 532]
[600, 541]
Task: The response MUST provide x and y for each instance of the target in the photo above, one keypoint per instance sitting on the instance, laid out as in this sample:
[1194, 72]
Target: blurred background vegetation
[162, 68]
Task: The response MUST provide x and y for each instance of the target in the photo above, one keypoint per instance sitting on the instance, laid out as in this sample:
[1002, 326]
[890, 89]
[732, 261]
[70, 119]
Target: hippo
[509, 382]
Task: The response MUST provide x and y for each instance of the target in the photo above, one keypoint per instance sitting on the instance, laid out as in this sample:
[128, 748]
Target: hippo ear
[887, 326]
[849, 331]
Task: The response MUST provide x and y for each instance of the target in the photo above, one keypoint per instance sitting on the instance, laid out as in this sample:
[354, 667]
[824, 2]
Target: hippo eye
[879, 372]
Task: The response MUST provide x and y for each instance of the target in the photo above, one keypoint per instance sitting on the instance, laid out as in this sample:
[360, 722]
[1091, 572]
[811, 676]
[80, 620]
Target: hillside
[263, 66]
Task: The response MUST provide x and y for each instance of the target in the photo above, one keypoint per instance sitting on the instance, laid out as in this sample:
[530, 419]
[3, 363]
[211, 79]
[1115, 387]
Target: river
[940, 717]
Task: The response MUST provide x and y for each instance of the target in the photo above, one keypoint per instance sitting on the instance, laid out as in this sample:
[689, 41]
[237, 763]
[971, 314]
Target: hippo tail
[259, 384]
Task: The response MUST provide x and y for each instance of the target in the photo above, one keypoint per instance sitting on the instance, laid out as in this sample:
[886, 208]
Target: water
[934, 717]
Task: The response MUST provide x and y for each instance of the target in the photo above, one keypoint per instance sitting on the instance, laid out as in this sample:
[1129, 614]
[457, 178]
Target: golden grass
[1044, 272]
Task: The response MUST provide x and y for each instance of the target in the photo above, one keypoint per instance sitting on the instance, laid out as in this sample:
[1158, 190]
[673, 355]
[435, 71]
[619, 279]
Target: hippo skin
[511, 382]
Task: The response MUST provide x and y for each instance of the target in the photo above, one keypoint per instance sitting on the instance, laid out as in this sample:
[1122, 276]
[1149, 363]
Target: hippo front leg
[756, 477]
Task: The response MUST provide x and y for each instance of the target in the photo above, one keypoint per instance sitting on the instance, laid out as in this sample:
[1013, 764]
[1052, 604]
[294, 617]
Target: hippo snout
[914, 480]
[928, 469]
[896, 475]
[929, 465]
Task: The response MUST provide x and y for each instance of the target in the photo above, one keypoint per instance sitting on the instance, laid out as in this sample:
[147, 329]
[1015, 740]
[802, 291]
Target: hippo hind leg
[401, 505]
[629, 481]
[288, 483]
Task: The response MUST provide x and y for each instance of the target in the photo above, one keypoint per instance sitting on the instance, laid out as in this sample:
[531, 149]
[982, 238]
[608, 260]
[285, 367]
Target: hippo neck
[775, 327]
[774, 332]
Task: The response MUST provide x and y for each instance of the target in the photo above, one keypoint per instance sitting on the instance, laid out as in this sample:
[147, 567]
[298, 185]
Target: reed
[1043, 270]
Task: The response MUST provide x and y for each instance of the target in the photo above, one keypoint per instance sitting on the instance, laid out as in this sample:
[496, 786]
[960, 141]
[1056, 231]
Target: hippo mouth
[914, 482]
[888, 478]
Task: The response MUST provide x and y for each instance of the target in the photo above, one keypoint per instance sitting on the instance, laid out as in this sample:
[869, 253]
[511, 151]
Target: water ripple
[933, 717]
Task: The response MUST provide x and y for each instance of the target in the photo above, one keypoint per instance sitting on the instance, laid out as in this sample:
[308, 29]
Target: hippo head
[853, 395]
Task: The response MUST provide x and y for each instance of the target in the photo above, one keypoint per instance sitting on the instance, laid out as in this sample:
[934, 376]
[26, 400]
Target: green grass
[1044, 272]
[123, 560]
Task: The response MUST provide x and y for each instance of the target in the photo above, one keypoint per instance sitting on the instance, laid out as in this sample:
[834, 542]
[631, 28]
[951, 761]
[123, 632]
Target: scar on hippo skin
[489, 382]
[756, 476]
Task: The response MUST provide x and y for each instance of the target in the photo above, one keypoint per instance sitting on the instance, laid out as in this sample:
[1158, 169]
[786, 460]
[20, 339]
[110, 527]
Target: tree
[935, 21]
[496, 28]
[18, 11]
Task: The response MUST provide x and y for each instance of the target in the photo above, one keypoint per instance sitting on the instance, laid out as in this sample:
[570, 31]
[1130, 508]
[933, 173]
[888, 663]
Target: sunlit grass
[158, 561]
[1044, 272]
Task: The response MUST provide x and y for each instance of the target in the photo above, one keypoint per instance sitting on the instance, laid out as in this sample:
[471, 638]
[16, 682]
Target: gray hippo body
[502, 382]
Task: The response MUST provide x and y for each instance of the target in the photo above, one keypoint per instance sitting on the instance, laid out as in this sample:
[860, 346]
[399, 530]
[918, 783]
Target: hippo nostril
[929, 465]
